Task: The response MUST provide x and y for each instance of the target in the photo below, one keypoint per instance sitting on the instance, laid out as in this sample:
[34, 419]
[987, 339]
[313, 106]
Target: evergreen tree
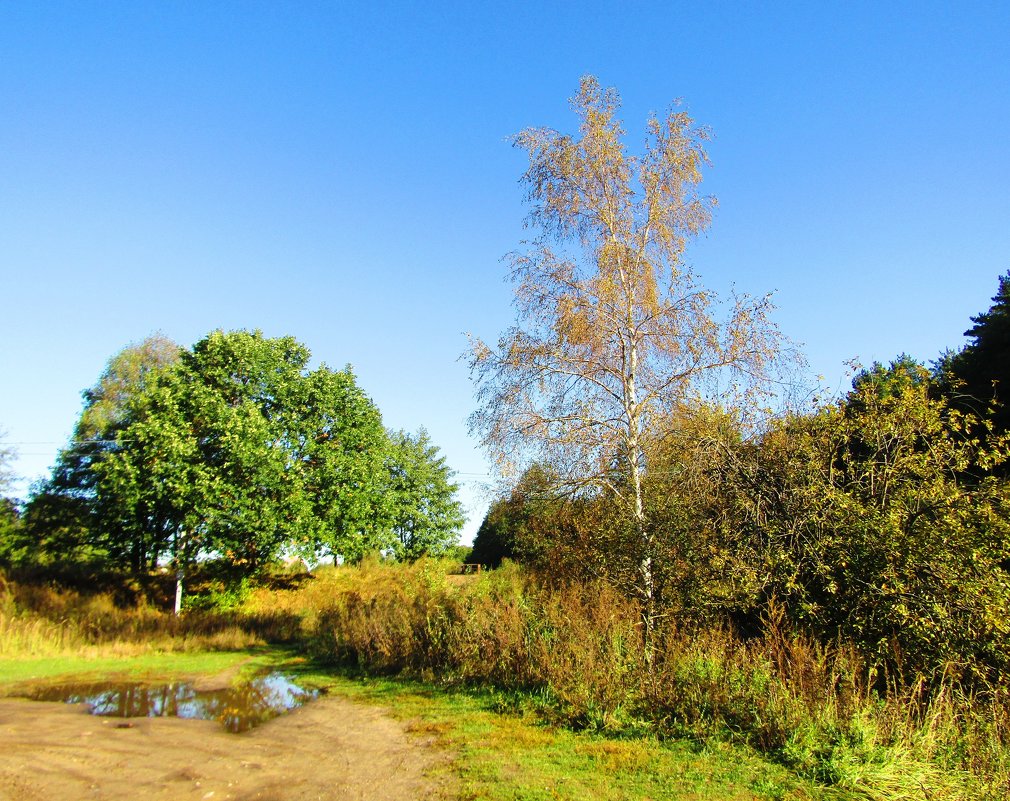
[978, 376]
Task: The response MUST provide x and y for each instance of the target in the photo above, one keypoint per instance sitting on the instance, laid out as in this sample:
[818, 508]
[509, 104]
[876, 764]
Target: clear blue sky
[340, 172]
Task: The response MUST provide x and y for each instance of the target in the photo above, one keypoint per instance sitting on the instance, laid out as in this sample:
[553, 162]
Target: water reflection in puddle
[236, 708]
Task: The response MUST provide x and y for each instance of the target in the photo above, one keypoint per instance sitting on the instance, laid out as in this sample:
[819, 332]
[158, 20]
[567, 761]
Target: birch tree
[613, 330]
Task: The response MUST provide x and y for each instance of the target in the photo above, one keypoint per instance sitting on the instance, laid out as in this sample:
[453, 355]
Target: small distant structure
[470, 568]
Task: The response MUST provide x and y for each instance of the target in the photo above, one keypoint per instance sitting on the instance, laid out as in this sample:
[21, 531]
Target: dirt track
[331, 749]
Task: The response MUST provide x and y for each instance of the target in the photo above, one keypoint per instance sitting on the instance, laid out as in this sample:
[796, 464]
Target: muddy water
[236, 708]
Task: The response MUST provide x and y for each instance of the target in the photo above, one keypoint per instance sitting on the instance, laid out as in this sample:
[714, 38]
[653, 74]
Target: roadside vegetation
[571, 654]
[519, 661]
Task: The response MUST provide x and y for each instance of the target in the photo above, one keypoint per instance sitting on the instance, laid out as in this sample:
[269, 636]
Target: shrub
[574, 651]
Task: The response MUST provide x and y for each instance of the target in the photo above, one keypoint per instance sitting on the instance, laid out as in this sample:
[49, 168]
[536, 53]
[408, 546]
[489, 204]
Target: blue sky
[340, 172]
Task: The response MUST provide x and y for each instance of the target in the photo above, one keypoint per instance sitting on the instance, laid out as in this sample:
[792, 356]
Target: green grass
[154, 665]
[501, 756]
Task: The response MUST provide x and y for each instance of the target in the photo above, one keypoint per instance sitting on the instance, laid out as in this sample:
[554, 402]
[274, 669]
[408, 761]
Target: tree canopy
[425, 516]
[237, 449]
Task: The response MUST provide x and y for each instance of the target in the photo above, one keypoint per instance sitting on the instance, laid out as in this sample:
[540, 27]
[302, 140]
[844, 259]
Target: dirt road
[331, 749]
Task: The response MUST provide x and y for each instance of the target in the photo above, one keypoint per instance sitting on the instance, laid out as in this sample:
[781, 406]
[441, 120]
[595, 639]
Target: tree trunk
[635, 463]
[179, 547]
[179, 576]
[647, 587]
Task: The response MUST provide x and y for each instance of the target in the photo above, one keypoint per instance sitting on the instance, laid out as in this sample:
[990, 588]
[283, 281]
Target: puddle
[236, 708]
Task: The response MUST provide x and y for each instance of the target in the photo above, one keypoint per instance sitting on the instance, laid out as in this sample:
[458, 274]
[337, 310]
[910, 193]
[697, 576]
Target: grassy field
[15, 670]
[504, 756]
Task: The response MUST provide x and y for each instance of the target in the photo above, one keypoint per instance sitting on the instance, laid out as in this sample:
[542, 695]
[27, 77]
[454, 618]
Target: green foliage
[424, 514]
[701, 567]
[220, 596]
[106, 405]
[875, 519]
[66, 517]
[233, 448]
[524, 525]
[54, 528]
[460, 554]
[10, 531]
[697, 568]
[493, 541]
[340, 444]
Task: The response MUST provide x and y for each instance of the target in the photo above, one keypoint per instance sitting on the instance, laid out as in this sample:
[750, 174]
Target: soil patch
[331, 749]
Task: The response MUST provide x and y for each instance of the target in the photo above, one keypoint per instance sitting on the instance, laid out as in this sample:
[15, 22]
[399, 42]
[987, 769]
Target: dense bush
[875, 520]
[578, 642]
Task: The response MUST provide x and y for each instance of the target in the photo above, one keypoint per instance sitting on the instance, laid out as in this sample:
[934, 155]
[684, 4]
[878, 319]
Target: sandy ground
[330, 749]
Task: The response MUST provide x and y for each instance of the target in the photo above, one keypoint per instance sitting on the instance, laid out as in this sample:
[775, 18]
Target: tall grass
[48, 620]
[575, 649]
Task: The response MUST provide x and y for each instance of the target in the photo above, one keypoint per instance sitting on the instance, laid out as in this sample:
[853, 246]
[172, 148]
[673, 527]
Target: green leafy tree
[106, 404]
[510, 528]
[235, 449]
[341, 445]
[493, 541]
[65, 517]
[425, 515]
[242, 451]
[540, 525]
[10, 527]
[240, 394]
[151, 492]
[876, 518]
